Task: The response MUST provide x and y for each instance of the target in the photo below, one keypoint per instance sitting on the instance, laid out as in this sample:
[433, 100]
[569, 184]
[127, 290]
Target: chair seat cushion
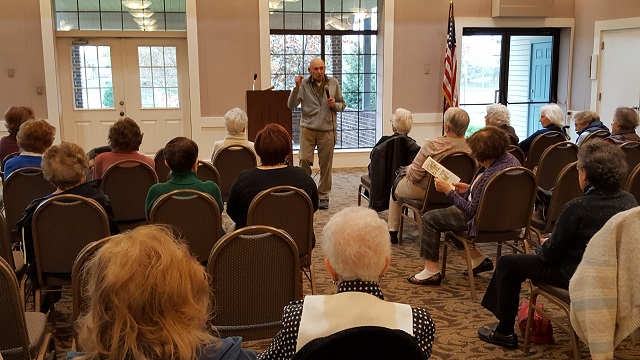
[366, 181]
[36, 325]
[560, 293]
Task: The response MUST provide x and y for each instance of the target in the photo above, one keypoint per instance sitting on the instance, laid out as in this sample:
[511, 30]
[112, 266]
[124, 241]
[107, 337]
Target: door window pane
[91, 76]
[158, 77]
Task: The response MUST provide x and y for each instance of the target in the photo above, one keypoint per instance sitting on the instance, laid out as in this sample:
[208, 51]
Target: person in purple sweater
[13, 118]
[489, 147]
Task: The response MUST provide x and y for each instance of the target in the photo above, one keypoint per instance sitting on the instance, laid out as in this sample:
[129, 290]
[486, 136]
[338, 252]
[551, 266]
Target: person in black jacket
[601, 167]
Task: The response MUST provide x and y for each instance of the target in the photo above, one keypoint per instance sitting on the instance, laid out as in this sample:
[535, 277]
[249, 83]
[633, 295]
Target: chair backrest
[517, 153]
[461, 164]
[5, 243]
[287, 208]
[632, 151]
[126, 183]
[20, 188]
[230, 161]
[255, 272]
[552, 161]
[79, 279]
[206, 171]
[4, 161]
[540, 144]
[506, 205]
[364, 342]
[633, 183]
[62, 225]
[162, 170]
[598, 134]
[193, 216]
[13, 331]
[566, 188]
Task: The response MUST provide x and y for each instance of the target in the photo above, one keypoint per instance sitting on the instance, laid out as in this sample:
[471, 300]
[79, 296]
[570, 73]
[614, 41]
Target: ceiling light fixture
[145, 22]
[136, 4]
[141, 14]
[275, 5]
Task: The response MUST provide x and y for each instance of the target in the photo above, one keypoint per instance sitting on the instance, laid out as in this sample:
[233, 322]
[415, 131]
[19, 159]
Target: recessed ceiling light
[136, 4]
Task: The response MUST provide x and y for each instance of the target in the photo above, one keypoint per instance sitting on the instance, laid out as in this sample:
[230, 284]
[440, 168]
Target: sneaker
[323, 204]
[394, 237]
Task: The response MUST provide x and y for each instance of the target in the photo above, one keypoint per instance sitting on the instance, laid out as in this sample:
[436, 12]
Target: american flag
[450, 65]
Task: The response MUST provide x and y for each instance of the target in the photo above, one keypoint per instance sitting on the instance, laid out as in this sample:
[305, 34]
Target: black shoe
[491, 336]
[485, 265]
[323, 204]
[435, 280]
[394, 237]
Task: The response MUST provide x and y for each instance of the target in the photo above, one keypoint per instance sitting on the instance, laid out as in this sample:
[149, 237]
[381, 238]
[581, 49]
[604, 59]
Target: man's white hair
[402, 121]
[498, 115]
[554, 113]
[235, 121]
[356, 242]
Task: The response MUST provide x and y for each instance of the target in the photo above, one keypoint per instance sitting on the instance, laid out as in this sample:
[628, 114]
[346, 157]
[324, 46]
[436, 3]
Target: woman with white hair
[413, 185]
[499, 116]
[401, 124]
[357, 249]
[551, 118]
[235, 122]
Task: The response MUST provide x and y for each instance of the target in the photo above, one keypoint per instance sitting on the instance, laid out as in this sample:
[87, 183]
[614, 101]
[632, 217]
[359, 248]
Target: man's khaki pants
[325, 140]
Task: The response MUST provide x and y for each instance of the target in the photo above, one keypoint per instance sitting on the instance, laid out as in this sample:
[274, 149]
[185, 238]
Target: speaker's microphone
[255, 76]
[326, 90]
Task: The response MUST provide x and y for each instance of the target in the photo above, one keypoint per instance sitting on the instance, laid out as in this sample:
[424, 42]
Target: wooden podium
[265, 107]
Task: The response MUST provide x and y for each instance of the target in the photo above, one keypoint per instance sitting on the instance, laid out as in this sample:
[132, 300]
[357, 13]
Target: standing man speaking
[321, 99]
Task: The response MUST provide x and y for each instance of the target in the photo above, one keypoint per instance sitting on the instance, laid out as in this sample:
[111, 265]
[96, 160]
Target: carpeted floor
[457, 318]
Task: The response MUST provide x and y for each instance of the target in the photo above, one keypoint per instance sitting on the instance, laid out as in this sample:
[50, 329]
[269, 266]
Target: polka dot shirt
[283, 345]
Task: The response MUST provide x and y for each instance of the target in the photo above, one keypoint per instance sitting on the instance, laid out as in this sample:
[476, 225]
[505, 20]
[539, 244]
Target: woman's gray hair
[585, 117]
[356, 242]
[402, 121]
[554, 113]
[498, 115]
[235, 121]
[626, 118]
[604, 163]
[457, 119]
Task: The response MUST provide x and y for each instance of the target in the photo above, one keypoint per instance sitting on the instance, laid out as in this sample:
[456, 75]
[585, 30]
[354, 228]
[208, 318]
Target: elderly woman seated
[401, 124]
[623, 127]
[125, 138]
[413, 185]
[13, 118]
[551, 118]
[587, 122]
[357, 249]
[181, 156]
[34, 138]
[65, 166]
[273, 145]
[499, 116]
[601, 167]
[489, 147]
[156, 311]
[235, 122]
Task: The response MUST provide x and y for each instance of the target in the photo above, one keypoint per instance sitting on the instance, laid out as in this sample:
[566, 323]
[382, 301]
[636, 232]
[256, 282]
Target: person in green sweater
[181, 156]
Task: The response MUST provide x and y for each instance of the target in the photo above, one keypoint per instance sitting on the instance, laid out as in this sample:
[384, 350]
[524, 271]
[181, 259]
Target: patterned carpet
[457, 318]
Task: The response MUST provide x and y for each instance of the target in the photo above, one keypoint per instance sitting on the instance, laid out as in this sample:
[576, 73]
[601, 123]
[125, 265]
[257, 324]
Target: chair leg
[401, 225]
[46, 344]
[532, 300]
[312, 274]
[359, 194]
[472, 285]
[499, 251]
[23, 283]
[38, 295]
[443, 270]
[574, 343]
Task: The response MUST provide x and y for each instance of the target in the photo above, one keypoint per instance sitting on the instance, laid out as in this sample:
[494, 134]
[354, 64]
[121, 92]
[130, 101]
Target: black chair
[206, 171]
[552, 161]
[540, 144]
[162, 170]
[364, 342]
[230, 161]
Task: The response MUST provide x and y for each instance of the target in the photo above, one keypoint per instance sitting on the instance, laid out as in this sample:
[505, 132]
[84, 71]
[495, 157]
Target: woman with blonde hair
[149, 299]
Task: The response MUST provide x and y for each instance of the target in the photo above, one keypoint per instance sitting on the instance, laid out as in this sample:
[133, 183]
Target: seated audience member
[587, 122]
[13, 118]
[623, 127]
[181, 156]
[357, 249]
[390, 153]
[125, 138]
[273, 145]
[65, 166]
[235, 122]
[401, 124]
[413, 185]
[499, 116]
[156, 311]
[601, 167]
[34, 138]
[489, 147]
[551, 118]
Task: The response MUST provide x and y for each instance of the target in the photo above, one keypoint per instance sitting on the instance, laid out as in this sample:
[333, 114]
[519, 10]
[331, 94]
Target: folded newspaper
[437, 170]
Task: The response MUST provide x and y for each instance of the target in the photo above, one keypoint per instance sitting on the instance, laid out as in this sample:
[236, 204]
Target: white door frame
[600, 28]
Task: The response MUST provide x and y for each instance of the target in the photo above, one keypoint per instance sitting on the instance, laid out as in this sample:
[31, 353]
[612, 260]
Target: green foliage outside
[472, 129]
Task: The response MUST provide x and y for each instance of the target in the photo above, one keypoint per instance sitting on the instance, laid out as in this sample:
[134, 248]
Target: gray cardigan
[316, 114]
